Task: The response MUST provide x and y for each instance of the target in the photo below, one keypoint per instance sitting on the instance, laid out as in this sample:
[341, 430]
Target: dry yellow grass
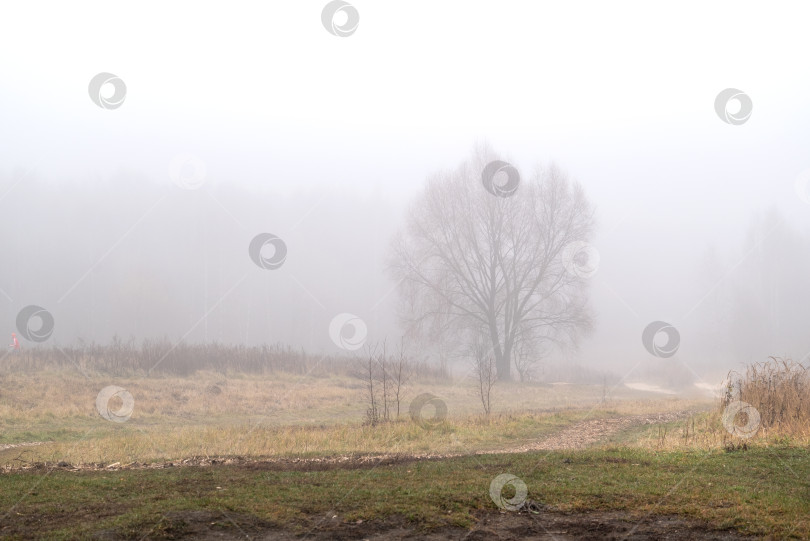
[779, 389]
[767, 404]
[278, 415]
[65, 395]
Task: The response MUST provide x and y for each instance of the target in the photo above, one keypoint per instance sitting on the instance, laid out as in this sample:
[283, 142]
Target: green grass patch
[762, 491]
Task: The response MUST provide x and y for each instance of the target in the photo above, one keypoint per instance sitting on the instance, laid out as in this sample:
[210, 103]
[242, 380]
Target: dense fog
[136, 221]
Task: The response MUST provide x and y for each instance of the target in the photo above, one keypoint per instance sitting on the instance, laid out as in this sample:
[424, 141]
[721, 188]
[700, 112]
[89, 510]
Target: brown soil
[491, 526]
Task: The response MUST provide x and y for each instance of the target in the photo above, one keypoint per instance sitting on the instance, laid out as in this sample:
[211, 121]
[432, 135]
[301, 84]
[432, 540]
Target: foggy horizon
[328, 147]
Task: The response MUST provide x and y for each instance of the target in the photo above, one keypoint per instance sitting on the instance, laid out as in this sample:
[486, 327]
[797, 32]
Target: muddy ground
[491, 526]
[540, 524]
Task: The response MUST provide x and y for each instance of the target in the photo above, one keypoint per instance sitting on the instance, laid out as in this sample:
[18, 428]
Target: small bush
[779, 389]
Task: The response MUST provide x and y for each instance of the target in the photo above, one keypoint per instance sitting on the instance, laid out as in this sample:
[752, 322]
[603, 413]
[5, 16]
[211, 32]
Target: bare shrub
[162, 357]
[486, 374]
[370, 375]
[401, 372]
[779, 389]
[385, 378]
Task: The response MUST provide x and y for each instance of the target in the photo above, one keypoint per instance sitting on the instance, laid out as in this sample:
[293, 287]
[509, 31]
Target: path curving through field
[589, 432]
[5, 446]
[579, 435]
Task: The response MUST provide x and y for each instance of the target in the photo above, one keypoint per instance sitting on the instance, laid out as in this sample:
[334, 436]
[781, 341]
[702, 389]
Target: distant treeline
[162, 357]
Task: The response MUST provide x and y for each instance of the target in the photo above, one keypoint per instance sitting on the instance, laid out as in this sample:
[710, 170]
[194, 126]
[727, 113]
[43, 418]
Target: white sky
[620, 94]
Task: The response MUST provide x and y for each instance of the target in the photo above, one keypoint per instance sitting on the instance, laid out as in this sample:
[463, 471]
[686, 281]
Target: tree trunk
[503, 364]
[502, 357]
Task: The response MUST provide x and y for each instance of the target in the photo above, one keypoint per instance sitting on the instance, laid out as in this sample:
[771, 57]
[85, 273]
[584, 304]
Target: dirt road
[579, 435]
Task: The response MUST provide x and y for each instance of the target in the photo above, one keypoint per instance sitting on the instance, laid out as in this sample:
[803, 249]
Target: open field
[280, 455]
[282, 415]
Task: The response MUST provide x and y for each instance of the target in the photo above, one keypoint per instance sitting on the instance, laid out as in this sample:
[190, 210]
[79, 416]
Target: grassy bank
[762, 491]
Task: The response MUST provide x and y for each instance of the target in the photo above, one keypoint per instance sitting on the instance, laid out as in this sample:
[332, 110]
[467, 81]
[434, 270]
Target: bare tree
[385, 379]
[469, 261]
[400, 375]
[486, 374]
[370, 374]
